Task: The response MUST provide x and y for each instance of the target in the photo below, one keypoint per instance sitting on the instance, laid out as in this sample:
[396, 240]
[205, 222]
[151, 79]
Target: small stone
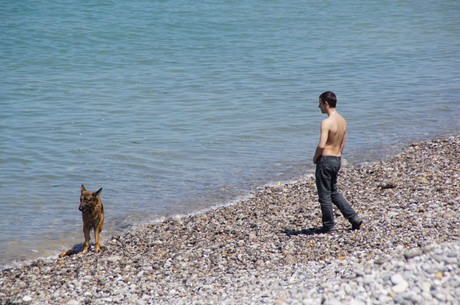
[356, 302]
[333, 301]
[401, 287]
[27, 299]
[282, 300]
[412, 253]
[440, 296]
[397, 279]
[426, 287]
[311, 301]
[113, 258]
[413, 297]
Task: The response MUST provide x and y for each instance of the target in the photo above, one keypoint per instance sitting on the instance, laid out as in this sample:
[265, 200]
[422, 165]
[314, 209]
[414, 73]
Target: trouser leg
[339, 201]
[344, 207]
[324, 187]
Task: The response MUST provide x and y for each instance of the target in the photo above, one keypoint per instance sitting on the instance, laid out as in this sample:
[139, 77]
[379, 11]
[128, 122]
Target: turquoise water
[176, 106]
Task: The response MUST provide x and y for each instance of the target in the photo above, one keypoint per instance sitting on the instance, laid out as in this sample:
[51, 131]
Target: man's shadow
[309, 231]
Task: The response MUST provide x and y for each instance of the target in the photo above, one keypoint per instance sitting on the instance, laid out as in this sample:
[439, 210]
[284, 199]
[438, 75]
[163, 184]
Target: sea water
[176, 106]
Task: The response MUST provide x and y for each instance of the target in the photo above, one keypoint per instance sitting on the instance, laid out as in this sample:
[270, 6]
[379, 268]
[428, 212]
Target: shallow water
[176, 106]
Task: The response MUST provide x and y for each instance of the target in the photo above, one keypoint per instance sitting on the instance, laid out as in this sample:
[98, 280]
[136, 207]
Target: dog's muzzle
[84, 208]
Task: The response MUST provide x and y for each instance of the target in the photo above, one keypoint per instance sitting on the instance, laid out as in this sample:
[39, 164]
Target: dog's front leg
[87, 238]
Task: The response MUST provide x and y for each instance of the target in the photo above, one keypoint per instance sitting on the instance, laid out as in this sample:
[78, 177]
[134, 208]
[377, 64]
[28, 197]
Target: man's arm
[324, 132]
[342, 146]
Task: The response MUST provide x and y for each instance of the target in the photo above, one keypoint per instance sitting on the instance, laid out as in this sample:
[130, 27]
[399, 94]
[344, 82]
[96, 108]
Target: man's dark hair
[329, 97]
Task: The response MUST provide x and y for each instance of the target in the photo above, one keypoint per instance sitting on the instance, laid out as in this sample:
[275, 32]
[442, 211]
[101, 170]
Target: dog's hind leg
[87, 238]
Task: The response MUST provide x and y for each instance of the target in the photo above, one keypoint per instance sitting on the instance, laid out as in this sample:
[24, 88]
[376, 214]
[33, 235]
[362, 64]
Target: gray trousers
[327, 168]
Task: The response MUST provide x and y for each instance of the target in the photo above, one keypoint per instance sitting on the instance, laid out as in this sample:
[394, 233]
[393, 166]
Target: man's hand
[318, 153]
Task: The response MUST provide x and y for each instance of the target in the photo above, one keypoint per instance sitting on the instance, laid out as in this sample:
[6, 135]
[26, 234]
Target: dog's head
[88, 199]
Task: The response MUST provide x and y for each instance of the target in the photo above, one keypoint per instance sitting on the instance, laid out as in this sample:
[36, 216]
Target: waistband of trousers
[331, 157]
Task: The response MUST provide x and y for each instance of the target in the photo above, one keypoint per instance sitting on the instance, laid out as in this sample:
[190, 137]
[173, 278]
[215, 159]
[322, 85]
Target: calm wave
[176, 106]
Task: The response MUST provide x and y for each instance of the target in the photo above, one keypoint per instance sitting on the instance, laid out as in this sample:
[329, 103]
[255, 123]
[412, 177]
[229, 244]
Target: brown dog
[92, 212]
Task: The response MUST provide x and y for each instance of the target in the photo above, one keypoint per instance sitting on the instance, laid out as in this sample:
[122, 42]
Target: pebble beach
[260, 251]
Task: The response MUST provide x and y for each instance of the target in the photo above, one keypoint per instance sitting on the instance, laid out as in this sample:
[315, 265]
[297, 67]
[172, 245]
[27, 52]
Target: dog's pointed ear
[95, 194]
[83, 188]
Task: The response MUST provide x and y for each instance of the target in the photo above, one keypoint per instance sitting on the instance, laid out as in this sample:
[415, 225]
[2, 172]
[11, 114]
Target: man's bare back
[332, 133]
[337, 128]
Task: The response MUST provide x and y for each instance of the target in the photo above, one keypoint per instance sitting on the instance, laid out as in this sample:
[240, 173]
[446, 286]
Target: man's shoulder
[334, 118]
[327, 121]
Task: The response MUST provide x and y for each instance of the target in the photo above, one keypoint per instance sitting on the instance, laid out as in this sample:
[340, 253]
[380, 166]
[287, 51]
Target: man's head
[329, 98]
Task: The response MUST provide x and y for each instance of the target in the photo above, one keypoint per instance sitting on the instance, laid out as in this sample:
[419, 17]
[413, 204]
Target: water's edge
[120, 227]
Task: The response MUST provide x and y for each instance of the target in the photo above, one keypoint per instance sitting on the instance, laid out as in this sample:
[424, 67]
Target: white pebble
[397, 279]
[27, 298]
[401, 287]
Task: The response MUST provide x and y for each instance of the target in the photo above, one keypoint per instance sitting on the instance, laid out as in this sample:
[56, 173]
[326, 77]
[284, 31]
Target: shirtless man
[328, 159]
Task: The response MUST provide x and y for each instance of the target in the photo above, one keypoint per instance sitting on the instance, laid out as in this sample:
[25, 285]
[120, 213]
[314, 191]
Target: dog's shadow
[78, 248]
